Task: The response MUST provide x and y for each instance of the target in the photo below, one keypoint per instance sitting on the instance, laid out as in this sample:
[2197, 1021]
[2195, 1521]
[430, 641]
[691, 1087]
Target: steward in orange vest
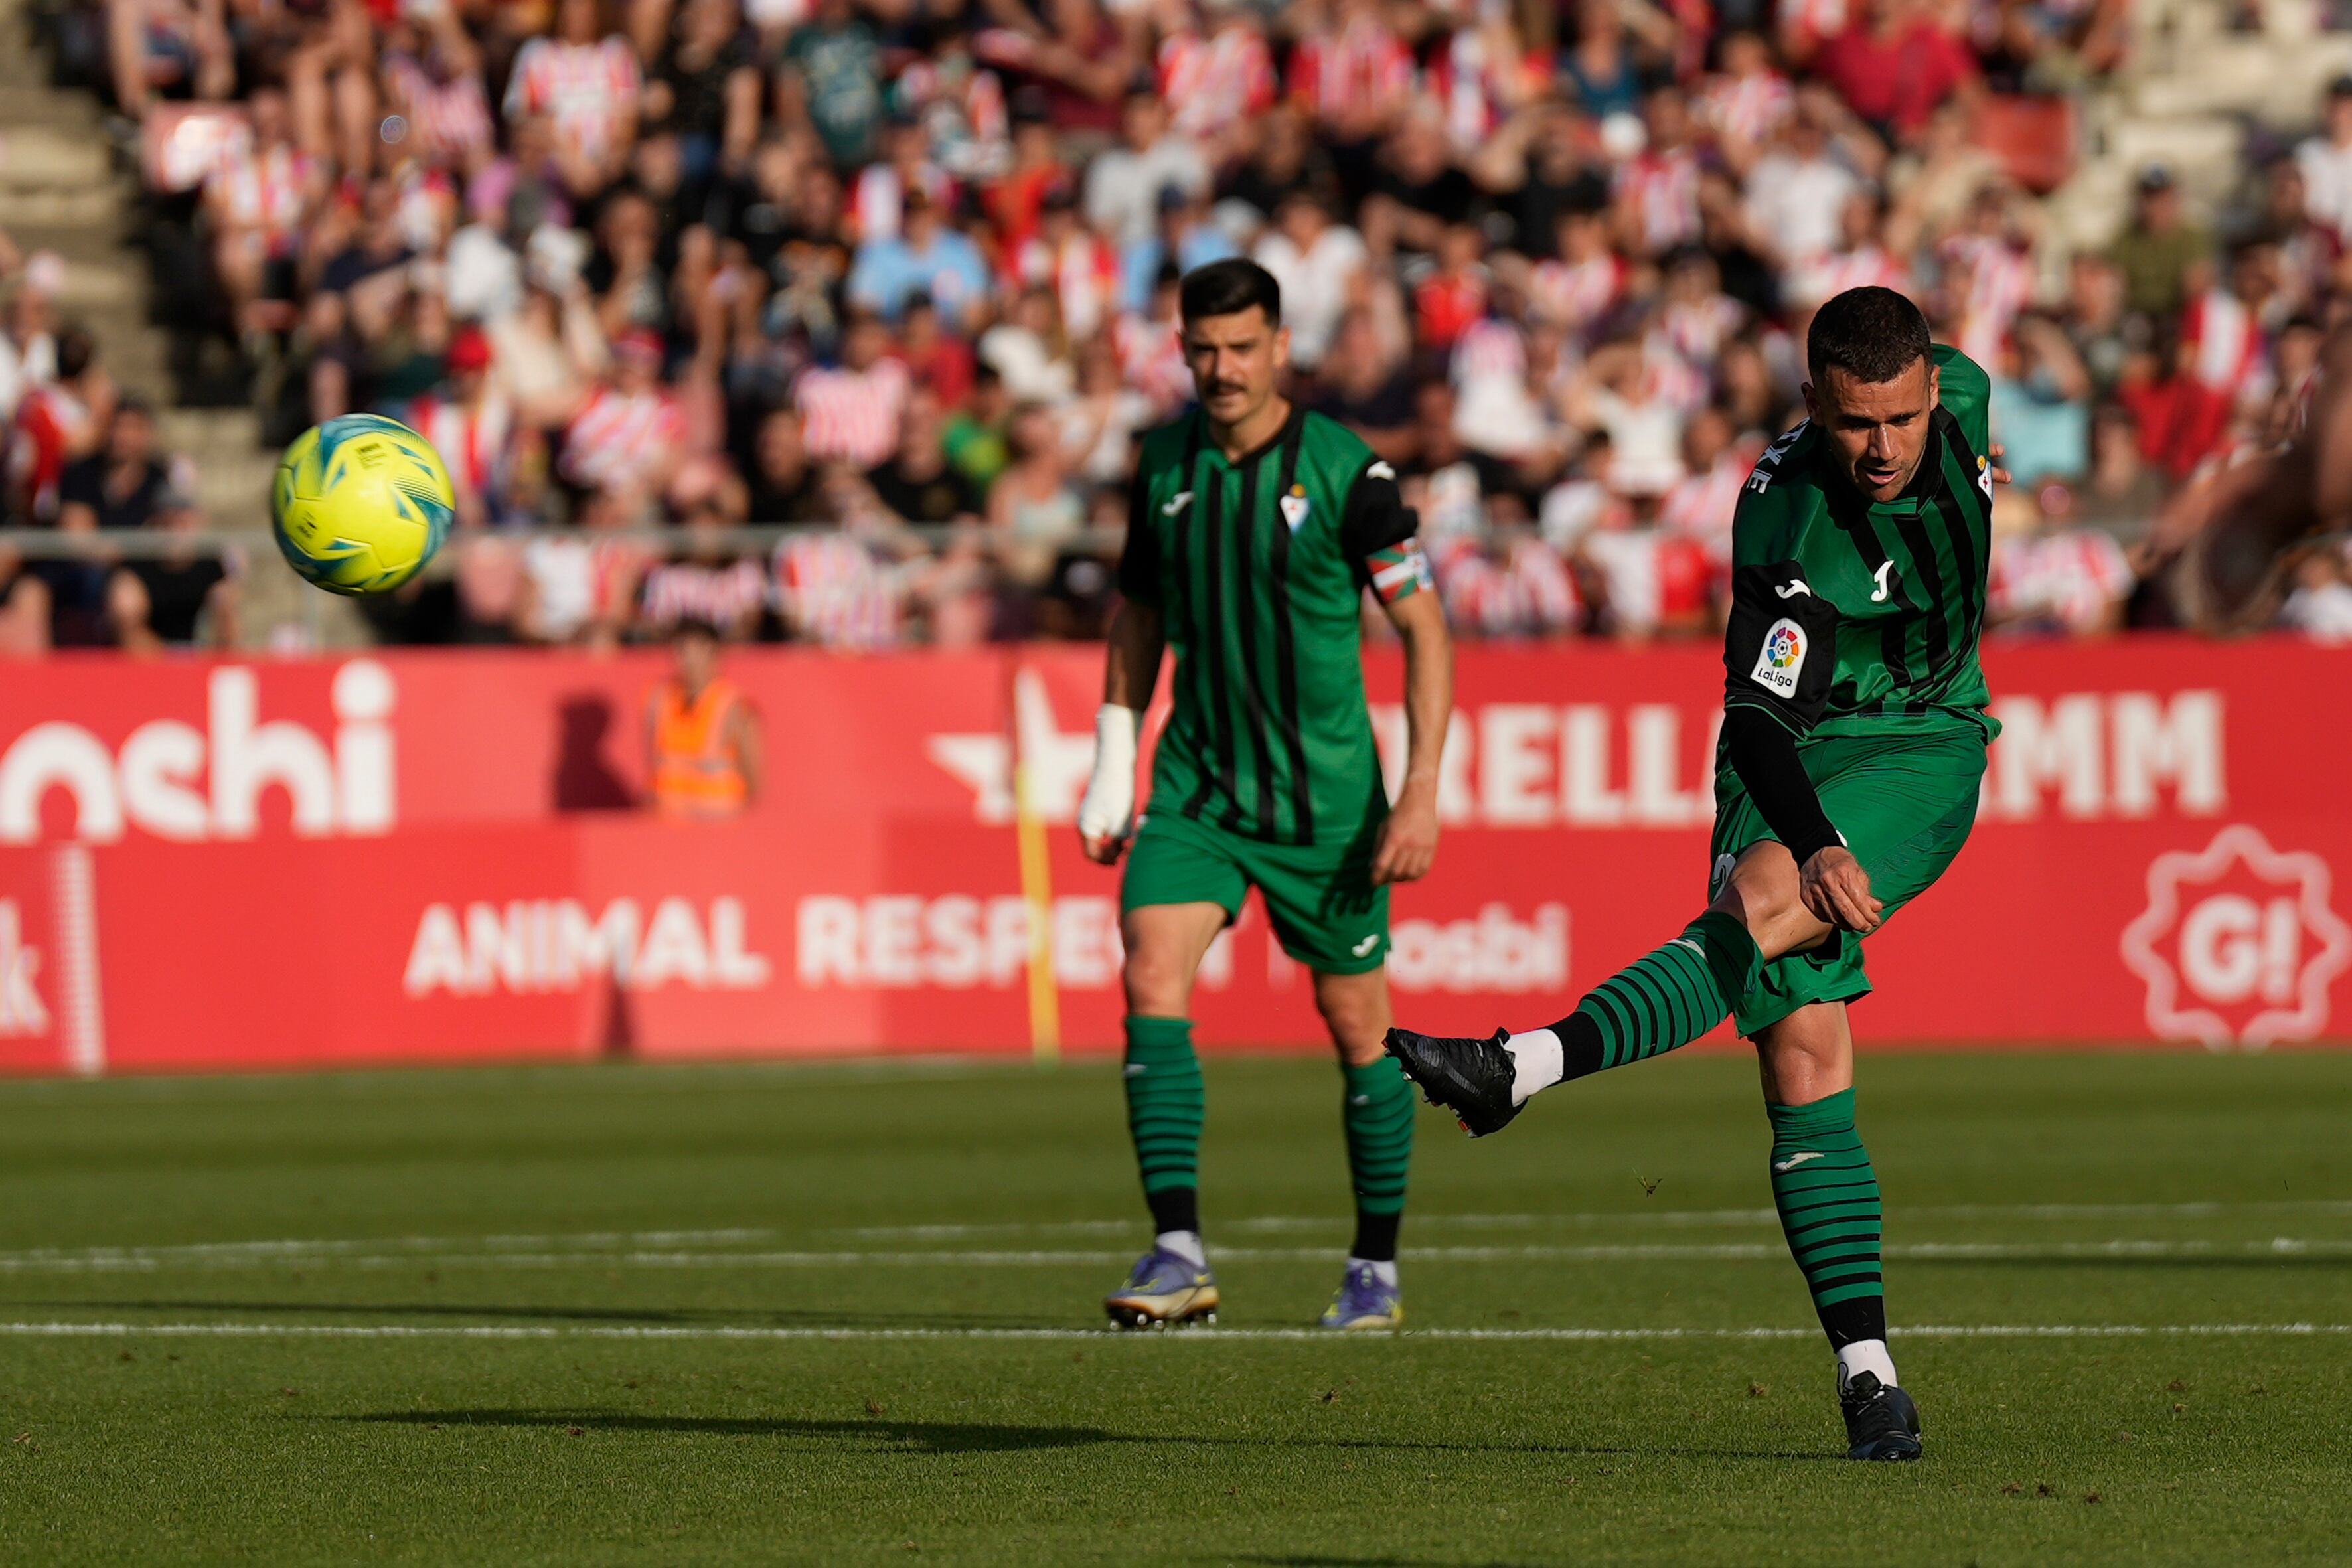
[701, 737]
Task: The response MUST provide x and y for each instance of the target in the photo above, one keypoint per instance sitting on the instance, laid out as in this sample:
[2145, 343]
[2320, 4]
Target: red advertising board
[434, 855]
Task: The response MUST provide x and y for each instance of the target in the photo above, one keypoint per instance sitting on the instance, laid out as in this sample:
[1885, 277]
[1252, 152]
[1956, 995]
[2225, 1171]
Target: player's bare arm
[1130, 670]
[1408, 841]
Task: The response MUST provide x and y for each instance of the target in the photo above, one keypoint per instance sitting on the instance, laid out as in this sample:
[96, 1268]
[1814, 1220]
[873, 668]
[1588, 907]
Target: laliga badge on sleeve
[1782, 659]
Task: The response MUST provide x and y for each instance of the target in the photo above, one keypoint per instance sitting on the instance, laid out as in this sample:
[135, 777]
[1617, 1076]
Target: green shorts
[1327, 914]
[1905, 802]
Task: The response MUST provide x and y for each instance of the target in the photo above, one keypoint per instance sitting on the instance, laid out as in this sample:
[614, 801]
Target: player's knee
[1356, 1011]
[1159, 982]
[1763, 894]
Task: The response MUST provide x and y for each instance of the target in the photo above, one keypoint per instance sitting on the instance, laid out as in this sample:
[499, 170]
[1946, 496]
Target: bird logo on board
[1295, 507]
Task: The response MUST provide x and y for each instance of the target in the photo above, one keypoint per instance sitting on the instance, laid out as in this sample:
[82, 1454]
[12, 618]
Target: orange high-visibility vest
[695, 773]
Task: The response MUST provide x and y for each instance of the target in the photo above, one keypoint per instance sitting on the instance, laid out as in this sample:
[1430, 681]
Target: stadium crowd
[906, 268]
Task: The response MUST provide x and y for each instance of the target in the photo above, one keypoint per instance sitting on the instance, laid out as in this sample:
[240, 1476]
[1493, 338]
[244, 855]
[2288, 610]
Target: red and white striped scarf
[1083, 274]
[851, 415]
[583, 87]
[450, 119]
[1662, 188]
[266, 189]
[2226, 341]
[471, 441]
[835, 592]
[1151, 359]
[1998, 283]
[1576, 294]
[1746, 108]
[1340, 73]
[1866, 266]
[1528, 593]
[1700, 506]
[692, 590]
[2068, 578]
[617, 437]
[1215, 82]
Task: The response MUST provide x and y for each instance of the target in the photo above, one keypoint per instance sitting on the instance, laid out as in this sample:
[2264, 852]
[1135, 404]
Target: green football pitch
[847, 1314]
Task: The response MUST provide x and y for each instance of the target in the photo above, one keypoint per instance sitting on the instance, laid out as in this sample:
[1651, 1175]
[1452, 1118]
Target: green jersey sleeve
[1780, 645]
[1967, 391]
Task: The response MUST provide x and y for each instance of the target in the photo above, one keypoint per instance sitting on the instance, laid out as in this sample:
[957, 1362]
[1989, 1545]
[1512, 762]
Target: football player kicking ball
[1853, 738]
[1253, 530]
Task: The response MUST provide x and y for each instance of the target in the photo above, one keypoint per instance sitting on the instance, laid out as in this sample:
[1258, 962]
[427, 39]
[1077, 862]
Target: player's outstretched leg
[1827, 1196]
[1376, 1111]
[1666, 999]
[1171, 1283]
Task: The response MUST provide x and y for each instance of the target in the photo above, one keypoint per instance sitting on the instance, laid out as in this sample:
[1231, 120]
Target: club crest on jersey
[1295, 507]
[1782, 659]
[1984, 477]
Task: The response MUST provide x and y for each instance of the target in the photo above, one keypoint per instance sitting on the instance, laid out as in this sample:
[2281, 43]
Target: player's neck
[1251, 431]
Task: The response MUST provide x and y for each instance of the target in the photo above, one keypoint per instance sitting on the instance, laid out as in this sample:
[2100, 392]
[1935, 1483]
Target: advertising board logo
[2239, 943]
[22, 1012]
[178, 782]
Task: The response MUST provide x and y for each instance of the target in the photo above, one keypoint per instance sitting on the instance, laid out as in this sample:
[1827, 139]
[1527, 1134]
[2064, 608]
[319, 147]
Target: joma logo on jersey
[1782, 659]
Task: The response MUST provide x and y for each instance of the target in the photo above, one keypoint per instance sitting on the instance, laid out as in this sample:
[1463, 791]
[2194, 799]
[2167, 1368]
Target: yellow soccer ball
[359, 504]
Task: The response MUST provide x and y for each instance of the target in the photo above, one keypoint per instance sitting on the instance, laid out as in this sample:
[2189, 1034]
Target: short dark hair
[1872, 334]
[1228, 288]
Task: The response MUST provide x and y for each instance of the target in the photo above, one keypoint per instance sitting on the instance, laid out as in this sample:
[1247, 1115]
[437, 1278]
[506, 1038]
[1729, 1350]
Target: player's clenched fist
[1106, 815]
[1837, 890]
[1408, 841]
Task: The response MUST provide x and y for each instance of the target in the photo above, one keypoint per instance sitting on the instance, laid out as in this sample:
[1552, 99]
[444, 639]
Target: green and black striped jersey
[1257, 568]
[1851, 615]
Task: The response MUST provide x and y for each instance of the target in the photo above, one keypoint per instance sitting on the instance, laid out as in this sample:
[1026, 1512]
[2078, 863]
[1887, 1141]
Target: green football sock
[1828, 1198]
[1164, 1108]
[1376, 1109]
[1667, 999]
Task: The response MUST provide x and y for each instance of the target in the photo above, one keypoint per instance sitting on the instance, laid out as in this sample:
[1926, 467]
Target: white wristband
[1109, 809]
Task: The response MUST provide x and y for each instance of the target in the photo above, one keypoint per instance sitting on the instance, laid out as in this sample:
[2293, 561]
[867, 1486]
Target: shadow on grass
[916, 1436]
[1320, 1560]
[775, 1317]
[989, 1437]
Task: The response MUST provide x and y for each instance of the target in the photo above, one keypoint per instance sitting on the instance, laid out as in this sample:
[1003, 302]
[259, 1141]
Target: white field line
[2278, 1246]
[30, 1330]
[1922, 1213]
[388, 1247]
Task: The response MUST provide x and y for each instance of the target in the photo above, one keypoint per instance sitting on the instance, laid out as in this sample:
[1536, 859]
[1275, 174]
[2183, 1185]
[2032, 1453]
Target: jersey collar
[1283, 433]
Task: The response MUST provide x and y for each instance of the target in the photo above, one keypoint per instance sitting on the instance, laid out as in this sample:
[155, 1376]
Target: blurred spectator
[2057, 577]
[1320, 267]
[184, 598]
[57, 422]
[1127, 185]
[924, 257]
[916, 484]
[2161, 254]
[853, 585]
[1509, 582]
[2320, 603]
[2124, 491]
[848, 266]
[2325, 161]
[1896, 63]
[851, 410]
[2041, 403]
[125, 483]
[1033, 508]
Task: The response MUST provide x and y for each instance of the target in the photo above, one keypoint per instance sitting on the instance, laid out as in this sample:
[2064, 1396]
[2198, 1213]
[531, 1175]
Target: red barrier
[433, 856]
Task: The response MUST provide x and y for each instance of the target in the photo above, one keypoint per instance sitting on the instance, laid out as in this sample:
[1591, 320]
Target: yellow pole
[1037, 891]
